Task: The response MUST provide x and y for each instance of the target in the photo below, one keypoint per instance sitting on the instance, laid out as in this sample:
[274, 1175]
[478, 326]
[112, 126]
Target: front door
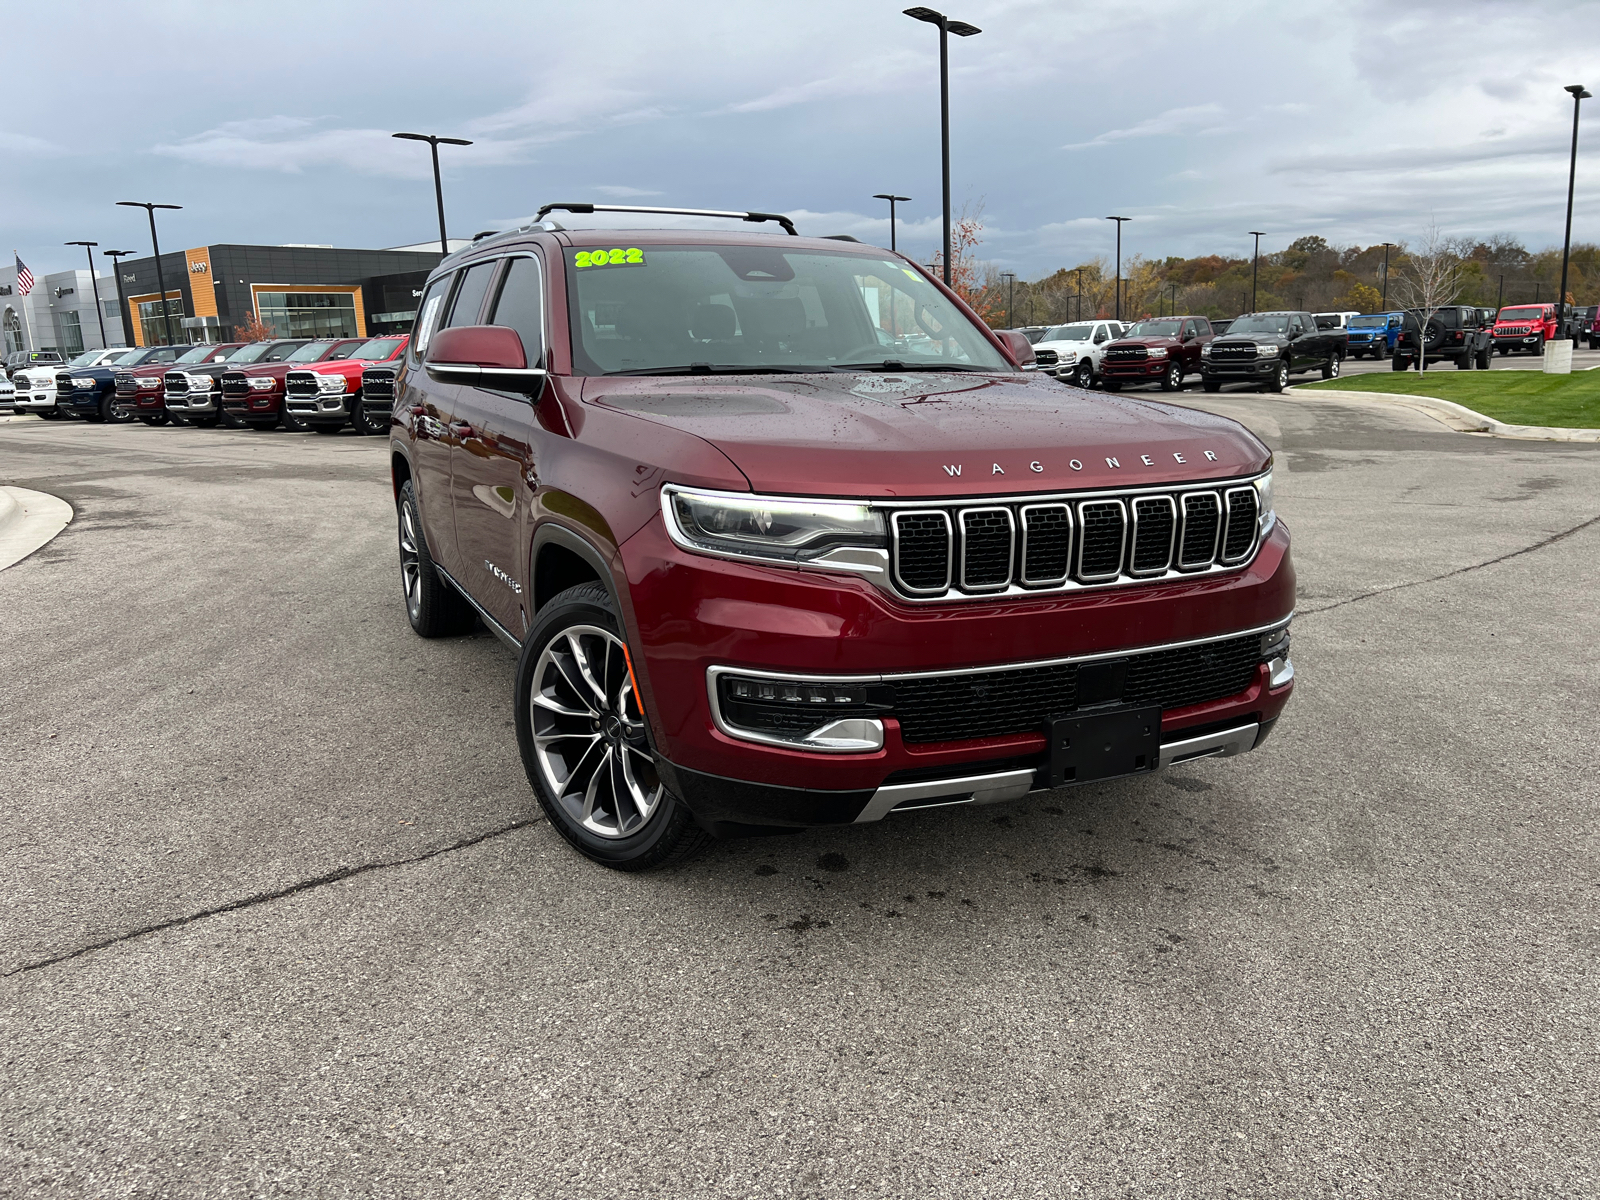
[426, 407]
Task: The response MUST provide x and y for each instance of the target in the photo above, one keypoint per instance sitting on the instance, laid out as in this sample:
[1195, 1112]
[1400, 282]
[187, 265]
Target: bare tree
[1428, 279]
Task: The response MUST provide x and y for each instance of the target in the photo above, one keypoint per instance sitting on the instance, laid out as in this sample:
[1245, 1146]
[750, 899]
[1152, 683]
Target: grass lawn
[1515, 397]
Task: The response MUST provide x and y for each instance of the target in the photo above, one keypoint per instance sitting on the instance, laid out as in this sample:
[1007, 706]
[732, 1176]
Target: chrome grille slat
[1102, 539]
[988, 544]
[1244, 520]
[1046, 544]
[922, 551]
[1155, 528]
[1202, 523]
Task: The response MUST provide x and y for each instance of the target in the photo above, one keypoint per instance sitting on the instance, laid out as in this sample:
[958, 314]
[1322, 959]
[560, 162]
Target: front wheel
[1111, 385]
[584, 744]
[293, 422]
[1330, 369]
[160, 418]
[1172, 381]
[372, 423]
[1211, 386]
[1280, 379]
[1083, 375]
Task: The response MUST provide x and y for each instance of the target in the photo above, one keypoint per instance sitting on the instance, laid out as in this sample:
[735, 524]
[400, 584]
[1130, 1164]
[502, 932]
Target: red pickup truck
[328, 394]
[1525, 327]
[254, 396]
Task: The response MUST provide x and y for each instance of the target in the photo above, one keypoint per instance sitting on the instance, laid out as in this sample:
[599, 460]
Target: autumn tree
[254, 329]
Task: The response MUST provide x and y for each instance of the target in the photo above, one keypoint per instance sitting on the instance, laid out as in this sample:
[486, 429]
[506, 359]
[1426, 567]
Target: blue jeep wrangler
[1374, 334]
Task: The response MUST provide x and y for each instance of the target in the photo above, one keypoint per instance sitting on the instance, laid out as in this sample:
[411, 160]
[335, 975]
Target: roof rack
[754, 217]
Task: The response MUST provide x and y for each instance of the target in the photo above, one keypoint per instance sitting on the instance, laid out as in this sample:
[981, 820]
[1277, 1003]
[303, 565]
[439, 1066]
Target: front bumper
[1252, 368]
[34, 401]
[1149, 369]
[334, 407]
[707, 613]
[1518, 340]
[191, 404]
[253, 406]
[140, 402]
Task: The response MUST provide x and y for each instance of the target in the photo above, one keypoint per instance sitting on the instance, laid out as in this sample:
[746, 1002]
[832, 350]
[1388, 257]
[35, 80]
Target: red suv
[1525, 327]
[254, 395]
[783, 536]
[328, 394]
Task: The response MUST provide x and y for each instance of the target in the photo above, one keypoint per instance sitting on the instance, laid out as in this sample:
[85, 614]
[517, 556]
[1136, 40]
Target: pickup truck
[1525, 327]
[193, 395]
[1373, 334]
[1267, 348]
[1334, 320]
[90, 392]
[1156, 350]
[254, 395]
[327, 395]
[139, 389]
[1455, 333]
[1072, 352]
[36, 382]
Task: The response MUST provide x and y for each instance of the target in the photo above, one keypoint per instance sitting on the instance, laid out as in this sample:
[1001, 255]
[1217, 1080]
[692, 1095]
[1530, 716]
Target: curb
[1459, 417]
[28, 520]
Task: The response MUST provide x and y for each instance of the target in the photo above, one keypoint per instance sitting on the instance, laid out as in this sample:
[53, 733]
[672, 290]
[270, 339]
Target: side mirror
[1020, 348]
[489, 356]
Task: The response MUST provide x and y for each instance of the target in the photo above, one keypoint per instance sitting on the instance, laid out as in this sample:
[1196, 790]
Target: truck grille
[175, 383]
[1023, 546]
[127, 384]
[377, 386]
[997, 703]
[234, 385]
[63, 384]
[1126, 353]
[300, 385]
[1233, 351]
[1511, 330]
[1046, 358]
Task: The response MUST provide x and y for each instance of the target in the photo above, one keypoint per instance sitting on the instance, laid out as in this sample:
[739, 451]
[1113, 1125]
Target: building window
[153, 320]
[13, 331]
[70, 332]
[309, 314]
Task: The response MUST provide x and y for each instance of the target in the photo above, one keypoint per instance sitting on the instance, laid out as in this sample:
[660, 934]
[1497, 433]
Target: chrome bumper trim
[1222, 744]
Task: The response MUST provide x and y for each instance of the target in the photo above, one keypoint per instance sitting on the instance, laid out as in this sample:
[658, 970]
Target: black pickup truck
[1267, 348]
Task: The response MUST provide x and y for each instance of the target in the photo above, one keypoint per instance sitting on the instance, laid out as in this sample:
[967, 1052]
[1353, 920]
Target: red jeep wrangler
[783, 536]
[1156, 350]
[1525, 327]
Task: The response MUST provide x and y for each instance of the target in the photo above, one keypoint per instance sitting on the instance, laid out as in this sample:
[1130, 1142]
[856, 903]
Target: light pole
[1119, 221]
[1011, 298]
[946, 28]
[892, 201]
[1579, 95]
[1255, 265]
[161, 283]
[1500, 295]
[88, 248]
[1079, 274]
[433, 141]
[1384, 304]
[1174, 311]
[123, 316]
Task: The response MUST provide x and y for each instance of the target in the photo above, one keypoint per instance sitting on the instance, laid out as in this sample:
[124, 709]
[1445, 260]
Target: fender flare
[550, 533]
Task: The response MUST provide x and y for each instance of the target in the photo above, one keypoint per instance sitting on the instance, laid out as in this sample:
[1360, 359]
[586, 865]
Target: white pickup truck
[36, 384]
[1072, 352]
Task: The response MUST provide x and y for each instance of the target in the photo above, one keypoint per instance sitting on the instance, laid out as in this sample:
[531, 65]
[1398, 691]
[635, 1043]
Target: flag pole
[26, 319]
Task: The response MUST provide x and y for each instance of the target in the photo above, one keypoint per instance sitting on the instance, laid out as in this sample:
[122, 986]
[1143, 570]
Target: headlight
[332, 383]
[85, 384]
[1205, 351]
[789, 530]
[1158, 352]
[201, 383]
[1264, 503]
[262, 383]
[149, 383]
[1067, 356]
[1263, 351]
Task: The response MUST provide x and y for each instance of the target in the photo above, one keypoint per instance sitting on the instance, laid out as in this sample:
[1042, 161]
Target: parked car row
[295, 383]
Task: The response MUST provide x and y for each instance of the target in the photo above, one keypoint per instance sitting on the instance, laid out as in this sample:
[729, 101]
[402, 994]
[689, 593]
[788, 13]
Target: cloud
[885, 73]
[249, 145]
[618, 192]
[23, 143]
[1197, 118]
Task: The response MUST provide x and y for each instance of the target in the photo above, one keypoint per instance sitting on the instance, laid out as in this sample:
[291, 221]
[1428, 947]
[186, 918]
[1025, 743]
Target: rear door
[495, 464]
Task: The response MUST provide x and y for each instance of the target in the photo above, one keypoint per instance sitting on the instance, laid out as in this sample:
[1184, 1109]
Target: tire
[585, 744]
[210, 422]
[1398, 362]
[1083, 375]
[1330, 369]
[1538, 350]
[1211, 386]
[155, 419]
[1111, 385]
[1279, 380]
[326, 428]
[291, 422]
[227, 420]
[434, 608]
[369, 424]
[1484, 357]
[1504, 350]
[1172, 381]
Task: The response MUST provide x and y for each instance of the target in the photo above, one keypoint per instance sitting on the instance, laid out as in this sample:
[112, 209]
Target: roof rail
[754, 217]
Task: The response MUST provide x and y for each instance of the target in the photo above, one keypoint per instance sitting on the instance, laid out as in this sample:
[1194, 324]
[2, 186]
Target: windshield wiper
[894, 364]
[701, 368]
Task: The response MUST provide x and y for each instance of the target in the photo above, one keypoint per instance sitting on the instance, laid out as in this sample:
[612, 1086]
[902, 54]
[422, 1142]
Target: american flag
[24, 278]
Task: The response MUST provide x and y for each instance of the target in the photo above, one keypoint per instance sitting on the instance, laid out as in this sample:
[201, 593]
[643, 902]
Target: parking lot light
[1255, 265]
[946, 28]
[116, 257]
[893, 200]
[1119, 221]
[161, 285]
[1579, 95]
[1384, 304]
[100, 314]
[433, 141]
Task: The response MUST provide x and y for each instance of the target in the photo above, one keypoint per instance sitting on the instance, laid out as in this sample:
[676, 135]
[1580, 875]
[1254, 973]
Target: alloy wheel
[588, 733]
[410, 564]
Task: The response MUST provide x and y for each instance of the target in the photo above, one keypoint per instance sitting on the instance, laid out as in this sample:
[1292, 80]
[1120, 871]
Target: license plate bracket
[1103, 745]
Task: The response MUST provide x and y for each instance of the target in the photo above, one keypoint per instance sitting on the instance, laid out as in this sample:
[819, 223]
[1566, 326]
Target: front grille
[127, 384]
[234, 385]
[1018, 546]
[1233, 351]
[1511, 331]
[948, 708]
[300, 385]
[377, 387]
[1046, 358]
[64, 385]
[1126, 353]
[175, 383]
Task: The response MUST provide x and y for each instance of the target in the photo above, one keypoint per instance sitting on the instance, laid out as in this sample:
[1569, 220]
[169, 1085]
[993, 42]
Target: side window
[1188, 329]
[464, 309]
[345, 351]
[1202, 327]
[1296, 325]
[1100, 334]
[428, 314]
[520, 306]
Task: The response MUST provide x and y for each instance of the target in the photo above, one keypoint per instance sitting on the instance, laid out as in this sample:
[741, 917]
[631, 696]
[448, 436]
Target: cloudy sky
[1357, 121]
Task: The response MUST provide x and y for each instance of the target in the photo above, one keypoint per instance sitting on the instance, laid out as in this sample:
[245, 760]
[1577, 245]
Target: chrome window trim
[1255, 537]
[1133, 538]
[1054, 580]
[894, 550]
[1011, 551]
[1183, 529]
[1111, 576]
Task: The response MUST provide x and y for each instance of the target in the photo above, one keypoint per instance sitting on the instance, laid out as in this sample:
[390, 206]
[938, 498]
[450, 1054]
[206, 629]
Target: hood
[934, 434]
[1060, 345]
[1249, 339]
[1171, 343]
[278, 369]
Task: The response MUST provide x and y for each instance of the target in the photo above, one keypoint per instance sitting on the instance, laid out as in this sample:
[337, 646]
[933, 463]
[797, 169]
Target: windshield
[131, 359]
[1327, 322]
[378, 350]
[1163, 328]
[1368, 322]
[85, 359]
[1521, 314]
[198, 354]
[250, 353]
[1260, 323]
[1068, 333]
[310, 352]
[667, 309]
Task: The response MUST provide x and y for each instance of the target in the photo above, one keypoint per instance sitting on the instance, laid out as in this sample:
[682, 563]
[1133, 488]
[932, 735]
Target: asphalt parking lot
[281, 917]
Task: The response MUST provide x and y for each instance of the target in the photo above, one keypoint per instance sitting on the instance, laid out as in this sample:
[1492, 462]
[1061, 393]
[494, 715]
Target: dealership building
[59, 313]
[211, 292]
